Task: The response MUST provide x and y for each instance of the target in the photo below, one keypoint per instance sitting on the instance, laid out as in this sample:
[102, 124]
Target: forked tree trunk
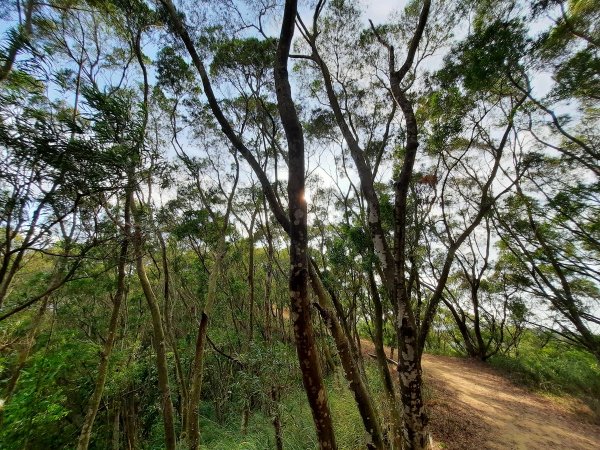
[296, 157]
[416, 436]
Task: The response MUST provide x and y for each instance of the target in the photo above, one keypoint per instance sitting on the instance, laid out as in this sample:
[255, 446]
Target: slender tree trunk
[94, 403]
[167, 312]
[130, 423]
[158, 341]
[268, 311]
[363, 398]
[275, 392]
[382, 362]
[116, 431]
[277, 419]
[251, 307]
[192, 426]
[245, 418]
[298, 281]
[462, 328]
[481, 347]
[268, 306]
[24, 354]
[251, 274]
[182, 384]
[328, 361]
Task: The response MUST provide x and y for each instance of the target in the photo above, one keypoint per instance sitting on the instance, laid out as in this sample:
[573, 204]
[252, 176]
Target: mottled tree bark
[416, 435]
[298, 281]
[363, 398]
[342, 341]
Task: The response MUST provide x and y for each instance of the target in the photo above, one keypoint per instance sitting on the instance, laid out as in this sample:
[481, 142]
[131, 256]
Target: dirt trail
[473, 407]
[503, 415]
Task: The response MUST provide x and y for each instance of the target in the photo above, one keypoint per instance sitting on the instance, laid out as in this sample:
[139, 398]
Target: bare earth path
[473, 407]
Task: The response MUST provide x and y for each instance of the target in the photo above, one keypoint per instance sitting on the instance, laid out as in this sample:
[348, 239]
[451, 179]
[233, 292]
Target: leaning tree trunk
[24, 353]
[158, 341]
[33, 332]
[94, 403]
[167, 312]
[363, 399]
[461, 324]
[382, 362]
[192, 429]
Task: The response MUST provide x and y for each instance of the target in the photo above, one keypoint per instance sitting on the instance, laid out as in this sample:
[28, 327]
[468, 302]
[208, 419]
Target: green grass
[555, 368]
[297, 424]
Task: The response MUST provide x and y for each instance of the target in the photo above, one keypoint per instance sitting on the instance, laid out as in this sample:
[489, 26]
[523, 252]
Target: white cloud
[379, 10]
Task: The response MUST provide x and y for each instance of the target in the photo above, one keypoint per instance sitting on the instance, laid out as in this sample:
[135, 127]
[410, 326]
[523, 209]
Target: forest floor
[473, 406]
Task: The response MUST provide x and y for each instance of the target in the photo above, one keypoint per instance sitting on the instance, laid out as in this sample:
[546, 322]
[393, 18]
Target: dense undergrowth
[297, 424]
[547, 366]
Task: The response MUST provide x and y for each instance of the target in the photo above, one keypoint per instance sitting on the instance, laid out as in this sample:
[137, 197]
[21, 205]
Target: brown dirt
[472, 407]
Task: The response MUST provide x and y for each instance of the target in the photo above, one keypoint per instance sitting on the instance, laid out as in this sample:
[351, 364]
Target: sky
[379, 10]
